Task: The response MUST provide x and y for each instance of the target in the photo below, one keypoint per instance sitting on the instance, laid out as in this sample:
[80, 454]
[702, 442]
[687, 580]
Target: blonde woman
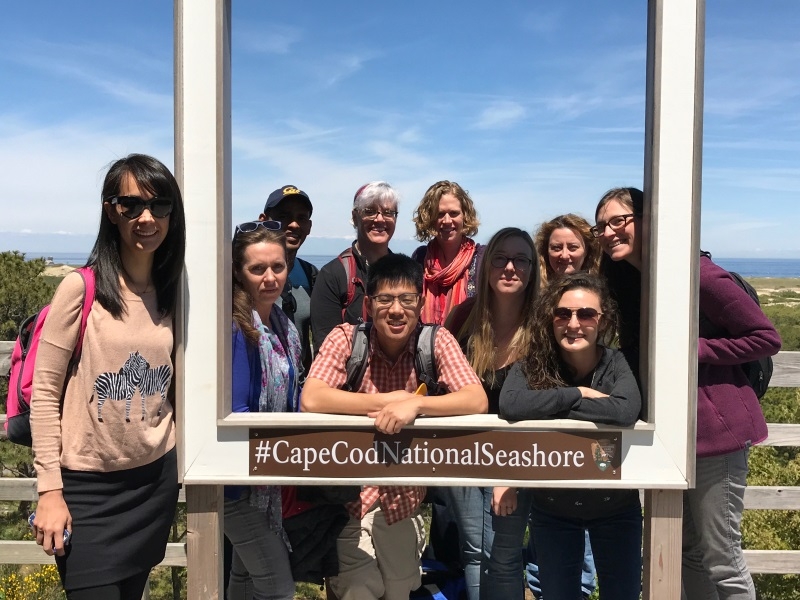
[490, 328]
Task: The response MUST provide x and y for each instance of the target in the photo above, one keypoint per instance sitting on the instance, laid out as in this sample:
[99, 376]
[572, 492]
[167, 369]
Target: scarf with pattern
[445, 287]
[279, 350]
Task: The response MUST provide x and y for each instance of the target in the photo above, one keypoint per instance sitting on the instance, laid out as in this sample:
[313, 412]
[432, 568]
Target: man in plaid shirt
[380, 548]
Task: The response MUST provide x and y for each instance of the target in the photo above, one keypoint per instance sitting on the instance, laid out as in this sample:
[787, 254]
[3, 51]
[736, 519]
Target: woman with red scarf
[446, 219]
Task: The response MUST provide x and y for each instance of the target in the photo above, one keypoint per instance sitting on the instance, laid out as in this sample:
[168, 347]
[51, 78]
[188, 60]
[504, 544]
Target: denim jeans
[713, 564]
[260, 566]
[491, 546]
[471, 509]
[532, 569]
[617, 544]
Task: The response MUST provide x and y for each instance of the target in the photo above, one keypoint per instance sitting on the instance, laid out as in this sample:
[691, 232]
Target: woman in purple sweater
[733, 331]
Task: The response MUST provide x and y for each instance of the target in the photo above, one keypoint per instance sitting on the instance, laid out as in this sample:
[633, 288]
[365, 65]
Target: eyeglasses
[253, 225]
[616, 223]
[521, 263]
[585, 314]
[133, 206]
[372, 213]
[386, 300]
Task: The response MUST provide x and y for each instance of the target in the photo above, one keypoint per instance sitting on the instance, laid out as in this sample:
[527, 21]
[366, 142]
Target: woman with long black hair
[106, 474]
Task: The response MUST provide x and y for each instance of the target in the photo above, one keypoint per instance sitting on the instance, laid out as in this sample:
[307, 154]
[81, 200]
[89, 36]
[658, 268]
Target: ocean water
[747, 267]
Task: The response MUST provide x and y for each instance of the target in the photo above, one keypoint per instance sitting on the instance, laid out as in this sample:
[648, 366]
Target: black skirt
[120, 522]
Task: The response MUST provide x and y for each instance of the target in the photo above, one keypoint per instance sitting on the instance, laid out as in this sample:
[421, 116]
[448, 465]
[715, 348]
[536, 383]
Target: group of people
[524, 327]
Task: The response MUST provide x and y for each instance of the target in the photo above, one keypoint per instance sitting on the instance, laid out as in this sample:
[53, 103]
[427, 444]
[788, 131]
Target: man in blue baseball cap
[292, 207]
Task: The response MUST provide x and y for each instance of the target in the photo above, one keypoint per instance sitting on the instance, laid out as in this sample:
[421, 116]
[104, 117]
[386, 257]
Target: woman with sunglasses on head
[491, 330]
[338, 295]
[569, 372]
[733, 330]
[447, 220]
[266, 356]
[105, 474]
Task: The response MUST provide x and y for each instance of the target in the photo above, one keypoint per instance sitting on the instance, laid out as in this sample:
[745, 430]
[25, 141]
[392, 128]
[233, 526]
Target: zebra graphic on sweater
[121, 385]
[155, 381]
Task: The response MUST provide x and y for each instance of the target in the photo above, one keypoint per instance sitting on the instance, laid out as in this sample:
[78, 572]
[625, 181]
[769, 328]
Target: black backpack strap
[311, 273]
[356, 365]
[425, 360]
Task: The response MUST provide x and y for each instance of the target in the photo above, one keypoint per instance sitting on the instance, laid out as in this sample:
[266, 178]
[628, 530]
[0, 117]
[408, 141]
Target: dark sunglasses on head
[133, 206]
[562, 313]
[253, 225]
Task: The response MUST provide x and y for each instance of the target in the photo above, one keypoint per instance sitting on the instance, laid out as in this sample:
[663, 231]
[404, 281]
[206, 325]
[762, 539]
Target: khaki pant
[377, 560]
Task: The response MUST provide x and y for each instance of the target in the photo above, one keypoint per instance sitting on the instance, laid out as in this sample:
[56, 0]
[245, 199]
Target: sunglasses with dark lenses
[586, 314]
[133, 206]
[253, 225]
[521, 263]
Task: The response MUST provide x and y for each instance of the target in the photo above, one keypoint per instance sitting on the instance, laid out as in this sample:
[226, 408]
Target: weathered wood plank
[786, 370]
[204, 540]
[29, 553]
[5, 356]
[783, 435]
[663, 518]
[773, 561]
[772, 498]
[24, 488]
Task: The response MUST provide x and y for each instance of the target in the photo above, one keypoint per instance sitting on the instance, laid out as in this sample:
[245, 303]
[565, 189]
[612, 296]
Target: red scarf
[446, 287]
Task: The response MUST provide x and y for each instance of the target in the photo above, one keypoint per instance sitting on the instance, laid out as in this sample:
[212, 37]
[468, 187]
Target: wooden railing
[787, 374]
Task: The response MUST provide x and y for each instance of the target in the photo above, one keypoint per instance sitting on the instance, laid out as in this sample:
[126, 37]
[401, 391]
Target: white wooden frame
[658, 454]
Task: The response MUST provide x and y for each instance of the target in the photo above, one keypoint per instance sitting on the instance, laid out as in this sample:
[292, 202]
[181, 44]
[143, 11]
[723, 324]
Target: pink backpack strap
[88, 299]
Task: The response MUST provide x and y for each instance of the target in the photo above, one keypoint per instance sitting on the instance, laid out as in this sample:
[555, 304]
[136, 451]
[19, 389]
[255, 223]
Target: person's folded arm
[520, 403]
[620, 405]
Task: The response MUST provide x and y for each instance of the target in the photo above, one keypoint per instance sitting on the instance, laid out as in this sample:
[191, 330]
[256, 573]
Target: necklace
[148, 287]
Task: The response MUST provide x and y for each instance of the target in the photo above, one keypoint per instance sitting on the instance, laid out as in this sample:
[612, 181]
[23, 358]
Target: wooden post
[204, 541]
[663, 519]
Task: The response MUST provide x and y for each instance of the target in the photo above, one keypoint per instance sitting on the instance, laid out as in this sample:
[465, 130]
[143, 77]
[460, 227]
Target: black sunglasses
[133, 206]
[586, 314]
[253, 225]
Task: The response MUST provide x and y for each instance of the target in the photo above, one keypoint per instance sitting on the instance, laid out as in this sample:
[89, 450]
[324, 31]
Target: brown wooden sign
[522, 455]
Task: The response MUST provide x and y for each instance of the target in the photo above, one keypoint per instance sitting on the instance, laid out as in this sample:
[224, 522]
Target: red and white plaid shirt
[383, 375]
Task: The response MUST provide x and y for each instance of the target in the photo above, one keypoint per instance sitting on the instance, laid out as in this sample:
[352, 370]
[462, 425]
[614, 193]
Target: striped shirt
[384, 375]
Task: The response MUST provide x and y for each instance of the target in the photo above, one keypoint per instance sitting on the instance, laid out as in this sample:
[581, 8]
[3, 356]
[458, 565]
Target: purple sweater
[729, 416]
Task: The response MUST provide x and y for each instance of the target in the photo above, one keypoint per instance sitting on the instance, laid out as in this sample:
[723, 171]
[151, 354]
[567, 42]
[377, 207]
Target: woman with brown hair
[446, 219]
[565, 244]
[266, 356]
[571, 373]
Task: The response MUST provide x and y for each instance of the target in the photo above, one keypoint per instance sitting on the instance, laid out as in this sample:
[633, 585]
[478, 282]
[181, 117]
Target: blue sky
[536, 108]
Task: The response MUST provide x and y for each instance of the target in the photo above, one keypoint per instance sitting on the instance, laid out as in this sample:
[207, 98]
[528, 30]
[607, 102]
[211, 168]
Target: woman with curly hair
[565, 244]
[491, 330]
[571, 373]
[446, 219]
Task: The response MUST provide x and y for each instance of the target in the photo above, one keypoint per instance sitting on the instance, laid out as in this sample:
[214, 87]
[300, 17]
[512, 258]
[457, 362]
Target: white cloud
[500, 114]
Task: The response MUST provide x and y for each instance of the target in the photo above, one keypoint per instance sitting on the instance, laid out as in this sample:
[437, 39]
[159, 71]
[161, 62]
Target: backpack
[758, 372]
[23, 361]
[348, 262]
[424, 359]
